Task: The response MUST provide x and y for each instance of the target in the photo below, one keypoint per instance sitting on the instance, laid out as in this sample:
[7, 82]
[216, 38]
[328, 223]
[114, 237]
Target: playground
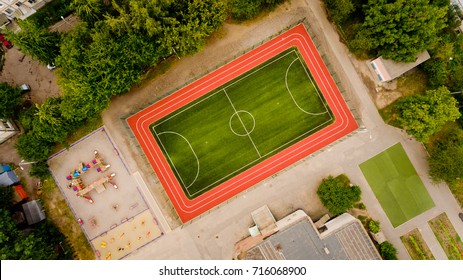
[103, 196]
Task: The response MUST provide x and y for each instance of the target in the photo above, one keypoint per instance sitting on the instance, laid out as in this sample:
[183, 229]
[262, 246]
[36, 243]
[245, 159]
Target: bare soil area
[20, 69]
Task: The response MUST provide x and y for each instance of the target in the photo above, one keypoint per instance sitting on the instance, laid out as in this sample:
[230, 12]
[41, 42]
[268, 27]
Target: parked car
[25, 88]
[461, 216]
[5, 42]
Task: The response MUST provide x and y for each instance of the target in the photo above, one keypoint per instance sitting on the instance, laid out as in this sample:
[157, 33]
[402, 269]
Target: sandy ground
[19, 69]
[113, 209]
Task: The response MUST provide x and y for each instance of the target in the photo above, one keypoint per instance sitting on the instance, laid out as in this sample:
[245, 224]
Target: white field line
[192, 150]
[246, 165]
[167, 153]
[250, 131]
[258, 68]
[242, 123]
[313, 83]
[292, 97]
[207, 198]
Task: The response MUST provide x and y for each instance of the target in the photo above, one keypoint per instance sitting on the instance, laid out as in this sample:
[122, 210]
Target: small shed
[33, 211]
[386, 69]
[8, 179]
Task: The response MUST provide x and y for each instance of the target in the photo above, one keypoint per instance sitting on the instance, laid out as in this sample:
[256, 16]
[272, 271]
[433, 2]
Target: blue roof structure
[4, 168]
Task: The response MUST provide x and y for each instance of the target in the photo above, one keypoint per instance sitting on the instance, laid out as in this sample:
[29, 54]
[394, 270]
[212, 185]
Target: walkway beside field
[213, 235]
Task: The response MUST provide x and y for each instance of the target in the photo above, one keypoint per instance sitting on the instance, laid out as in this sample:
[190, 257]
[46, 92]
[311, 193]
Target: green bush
[373, 226]
[388, 251]
[337, 194]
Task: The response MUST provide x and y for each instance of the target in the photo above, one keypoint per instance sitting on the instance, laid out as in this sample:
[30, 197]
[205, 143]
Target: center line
[247, 132]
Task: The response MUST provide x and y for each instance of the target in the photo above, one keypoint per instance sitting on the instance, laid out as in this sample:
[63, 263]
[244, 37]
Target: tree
[89, 11]
[6, 197]
[245, 9]
[337, 194]
[446, 154]
[401, 29]
[49, 124]
[424, 115]
[37, 41]
[339, 10]
[388, 251]
[10, 99]
[38, 245]
[33, 148]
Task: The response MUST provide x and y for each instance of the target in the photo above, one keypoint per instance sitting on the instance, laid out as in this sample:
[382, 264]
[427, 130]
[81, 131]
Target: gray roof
[8, 178]
[34, 212]
[346, 240]
[390, 69]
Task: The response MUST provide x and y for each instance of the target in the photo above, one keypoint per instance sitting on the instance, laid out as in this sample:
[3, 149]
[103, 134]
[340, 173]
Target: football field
[249, 119]
[242, 123]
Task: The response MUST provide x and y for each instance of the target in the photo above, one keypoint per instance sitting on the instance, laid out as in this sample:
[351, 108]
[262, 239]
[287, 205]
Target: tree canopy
[401, 29]
[446, 154]
[337, 194]
[10, 99]
[37, 41]
[424, 115]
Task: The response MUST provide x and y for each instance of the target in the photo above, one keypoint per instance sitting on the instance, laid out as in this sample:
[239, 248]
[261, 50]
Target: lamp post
[25, 163]
[65, 20]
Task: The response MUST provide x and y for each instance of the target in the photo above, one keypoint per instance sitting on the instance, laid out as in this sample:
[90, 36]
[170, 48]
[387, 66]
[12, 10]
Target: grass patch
[416, 246]
[414, 82]
[61, 215]
[390, 114]
[448, 238]
[242, 123]
[396, 185]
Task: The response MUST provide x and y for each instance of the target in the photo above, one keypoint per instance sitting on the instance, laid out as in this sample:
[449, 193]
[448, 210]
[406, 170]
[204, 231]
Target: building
[296, 237]
[385, 70]
[7, 130]
[8, 179]
[20, 9]
[33, 212]
[459, 5]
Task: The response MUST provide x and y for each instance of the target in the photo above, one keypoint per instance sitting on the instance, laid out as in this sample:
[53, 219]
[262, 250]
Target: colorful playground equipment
[99, 185]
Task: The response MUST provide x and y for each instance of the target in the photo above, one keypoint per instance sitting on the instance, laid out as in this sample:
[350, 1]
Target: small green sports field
[242, 123]
[396, 185]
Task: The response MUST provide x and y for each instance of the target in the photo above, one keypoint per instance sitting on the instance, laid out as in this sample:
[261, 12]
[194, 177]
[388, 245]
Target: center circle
[242, 123]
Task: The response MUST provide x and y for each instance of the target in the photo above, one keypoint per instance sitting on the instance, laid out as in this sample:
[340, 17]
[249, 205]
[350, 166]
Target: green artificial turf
[242, 123]
[396, 185]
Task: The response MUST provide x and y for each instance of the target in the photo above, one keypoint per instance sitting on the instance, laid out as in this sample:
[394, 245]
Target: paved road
[214, 234]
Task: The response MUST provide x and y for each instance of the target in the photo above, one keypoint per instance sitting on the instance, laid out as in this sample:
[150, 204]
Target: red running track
[296, 37]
